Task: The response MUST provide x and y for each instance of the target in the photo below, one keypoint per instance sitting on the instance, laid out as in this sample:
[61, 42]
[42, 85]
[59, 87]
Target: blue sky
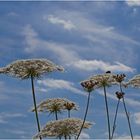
[86, 38]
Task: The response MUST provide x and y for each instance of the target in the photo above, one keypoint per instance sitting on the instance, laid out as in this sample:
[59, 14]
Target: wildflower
[135, 81]
[120, 95]
[69, 105]
[89, 86]
[24, 69]
[106, 79]
[63, 128]
[30, 68]
[56, 105]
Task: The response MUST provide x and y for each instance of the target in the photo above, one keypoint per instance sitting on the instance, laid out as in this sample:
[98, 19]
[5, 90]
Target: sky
[86, 38]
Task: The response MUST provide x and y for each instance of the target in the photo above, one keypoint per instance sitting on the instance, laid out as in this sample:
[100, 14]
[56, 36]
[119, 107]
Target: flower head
[106, 79]
[69, 105]
[62, 128]
[24, 69]
[89, 85]
[119, 95]
[56, 104]
[134, 82]
[119, 77]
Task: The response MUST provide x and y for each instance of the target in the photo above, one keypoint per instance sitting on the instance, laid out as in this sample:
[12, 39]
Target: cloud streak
[66, 55]
[67, 24]
[92, 65]
[133, 2]
[60, 84]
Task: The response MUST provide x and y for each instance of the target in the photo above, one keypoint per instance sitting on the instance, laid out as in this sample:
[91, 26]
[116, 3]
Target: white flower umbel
[63, 128]
[56, 105]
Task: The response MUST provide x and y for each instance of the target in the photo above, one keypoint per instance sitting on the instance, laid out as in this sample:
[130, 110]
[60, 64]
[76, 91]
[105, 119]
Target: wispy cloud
[133, 2]
[5, 116]
[92, 65]
[68, 56]
[60, 84]
[14, 14]
[127, 137]
[84, 135]
[34, 44]
[67, 24]
[137, 118]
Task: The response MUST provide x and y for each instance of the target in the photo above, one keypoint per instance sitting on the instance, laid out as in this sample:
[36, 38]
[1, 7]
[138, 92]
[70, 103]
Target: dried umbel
[55, 104]
[134, 82]
[106, 79]
[119, 77]
[23, 69]
[70, 106]
[119, 95]
[62, 128]
[89, 85]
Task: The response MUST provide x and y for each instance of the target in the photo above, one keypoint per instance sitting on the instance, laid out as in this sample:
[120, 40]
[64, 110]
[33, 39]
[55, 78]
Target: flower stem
[56, 116]
[69, 117]
[34, 99]
[68, 113]
[127, 115]
[114, 123]
[84, 116]
[107, 112]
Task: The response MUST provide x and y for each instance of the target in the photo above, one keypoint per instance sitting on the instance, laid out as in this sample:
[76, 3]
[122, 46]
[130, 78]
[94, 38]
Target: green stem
[107, 112]
[34, 100]
[114, 123]
[84, 116]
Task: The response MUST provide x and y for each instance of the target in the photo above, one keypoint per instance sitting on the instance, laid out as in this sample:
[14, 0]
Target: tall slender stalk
[56, 116]
[107, 112]
[34, 100]
[115, 117]
[68, 113]
[84, 116]
[127, 115]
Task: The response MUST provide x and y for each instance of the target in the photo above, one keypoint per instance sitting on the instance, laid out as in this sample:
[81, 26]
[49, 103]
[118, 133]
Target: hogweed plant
[64, 128]
[56, 105]
[120, 78]
[119, 96]
[105, 80]
[88, 86]
[69, 105]
[30, 69]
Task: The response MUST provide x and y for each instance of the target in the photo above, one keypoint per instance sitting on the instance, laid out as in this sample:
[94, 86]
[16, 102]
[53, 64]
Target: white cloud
[137, 118]
[67, 24]
[91, 65]
[91, 27]
[61, 51]
[60, 84]
[66, 53]
[14, 14]
[84, 135]
[4, 116]
[133, 2]
[127, 137]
